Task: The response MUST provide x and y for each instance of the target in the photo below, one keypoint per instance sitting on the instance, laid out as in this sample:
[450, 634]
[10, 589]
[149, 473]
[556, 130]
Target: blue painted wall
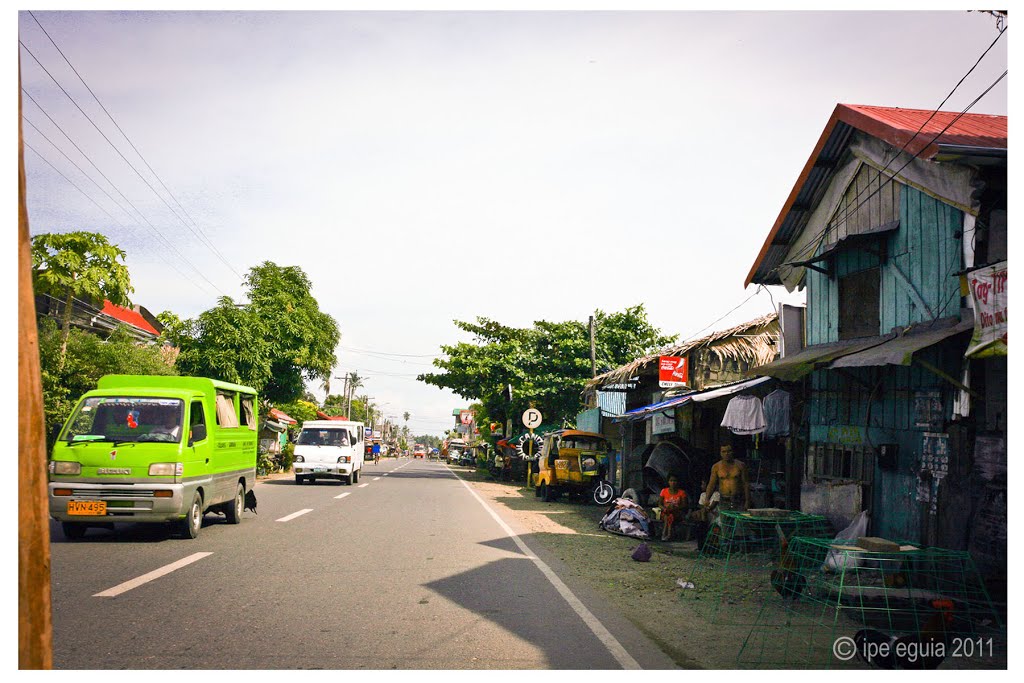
[926, 249]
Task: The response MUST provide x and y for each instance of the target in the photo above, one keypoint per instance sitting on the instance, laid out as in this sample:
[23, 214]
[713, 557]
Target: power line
[87, 196]
[132, 145]
[118, 190]
[125, 159]
[386, 353]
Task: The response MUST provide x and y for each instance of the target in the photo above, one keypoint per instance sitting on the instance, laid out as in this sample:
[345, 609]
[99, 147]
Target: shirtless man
[729, 477]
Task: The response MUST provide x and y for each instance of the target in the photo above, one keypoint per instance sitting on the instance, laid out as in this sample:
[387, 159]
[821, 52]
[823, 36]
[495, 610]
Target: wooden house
[894, 215]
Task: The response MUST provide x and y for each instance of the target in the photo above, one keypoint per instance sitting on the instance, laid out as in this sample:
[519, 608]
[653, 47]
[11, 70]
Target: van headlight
[299, 458]
[64, 467]
[344, 458]
[166, 469]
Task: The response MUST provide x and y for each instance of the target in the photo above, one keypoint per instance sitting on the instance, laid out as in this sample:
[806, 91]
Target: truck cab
[329, 449]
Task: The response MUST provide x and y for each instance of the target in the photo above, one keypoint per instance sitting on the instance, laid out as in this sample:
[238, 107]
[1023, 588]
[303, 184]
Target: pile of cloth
[626, 518]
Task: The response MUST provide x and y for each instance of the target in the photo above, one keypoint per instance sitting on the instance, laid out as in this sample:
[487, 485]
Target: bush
[286, 458]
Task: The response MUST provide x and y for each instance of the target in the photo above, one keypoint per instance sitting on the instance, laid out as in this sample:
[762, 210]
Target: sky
[425, 167]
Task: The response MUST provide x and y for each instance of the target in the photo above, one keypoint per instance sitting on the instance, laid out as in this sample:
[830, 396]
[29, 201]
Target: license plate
[319, 469]
[87, 507]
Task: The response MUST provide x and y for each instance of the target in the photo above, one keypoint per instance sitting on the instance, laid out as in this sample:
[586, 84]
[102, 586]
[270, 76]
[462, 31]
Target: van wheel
[73, 531]
[194, 519]
[299, 480]
[355, 476]
[234, 511]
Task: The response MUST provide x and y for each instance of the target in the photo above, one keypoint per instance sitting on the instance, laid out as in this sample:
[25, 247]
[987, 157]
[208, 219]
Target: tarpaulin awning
[282, 416]
[899, 351]
[806, 361]
[274, 426]
[645, 412]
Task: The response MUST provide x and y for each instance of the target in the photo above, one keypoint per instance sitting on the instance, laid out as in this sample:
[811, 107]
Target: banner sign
[988, 289]
[466, 417]
[664, 424]
[673, 371]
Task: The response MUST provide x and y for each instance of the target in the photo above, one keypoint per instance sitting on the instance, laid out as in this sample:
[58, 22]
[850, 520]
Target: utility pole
[593, 359]
[35, 625]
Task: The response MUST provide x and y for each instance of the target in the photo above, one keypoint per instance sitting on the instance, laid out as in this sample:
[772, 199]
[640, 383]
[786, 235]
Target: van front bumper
[323, 469]
[125, 502]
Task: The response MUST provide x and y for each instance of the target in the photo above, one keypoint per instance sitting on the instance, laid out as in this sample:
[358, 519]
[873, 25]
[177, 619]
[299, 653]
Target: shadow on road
[130, 532]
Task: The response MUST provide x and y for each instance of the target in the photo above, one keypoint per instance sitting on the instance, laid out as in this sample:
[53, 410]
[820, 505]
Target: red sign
[673, 371]
[466, 417]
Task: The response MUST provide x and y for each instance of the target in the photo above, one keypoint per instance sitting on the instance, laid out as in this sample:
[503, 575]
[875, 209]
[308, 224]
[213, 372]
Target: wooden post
[35, 628]
[593, 352]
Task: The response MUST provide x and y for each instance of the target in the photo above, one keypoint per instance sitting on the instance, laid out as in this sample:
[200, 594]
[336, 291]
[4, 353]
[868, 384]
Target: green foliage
[334, 405]
[273, 344]
[87, 359]
[287, 457]
[82, 264]
[546, 364]
[303, 411]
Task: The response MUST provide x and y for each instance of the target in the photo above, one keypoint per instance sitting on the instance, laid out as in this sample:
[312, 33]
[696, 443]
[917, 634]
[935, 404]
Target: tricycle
[573, 462]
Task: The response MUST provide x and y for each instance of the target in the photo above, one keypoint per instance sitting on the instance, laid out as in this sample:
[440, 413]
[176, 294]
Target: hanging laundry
[776, 413]
[744, 415]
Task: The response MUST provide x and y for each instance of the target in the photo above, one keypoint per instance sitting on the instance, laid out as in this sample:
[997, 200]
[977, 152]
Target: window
[248, 417]
[197, 416]
[226, 415]
[858, 304]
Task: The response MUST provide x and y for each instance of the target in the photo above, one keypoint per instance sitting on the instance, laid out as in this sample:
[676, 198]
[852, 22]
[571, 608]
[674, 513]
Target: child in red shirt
[673, 505]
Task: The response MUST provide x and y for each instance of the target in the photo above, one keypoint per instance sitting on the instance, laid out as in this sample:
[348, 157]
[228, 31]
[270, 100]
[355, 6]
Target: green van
[148, 448]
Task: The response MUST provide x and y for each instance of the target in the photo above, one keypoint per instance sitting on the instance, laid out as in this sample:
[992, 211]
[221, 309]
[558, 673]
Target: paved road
[407, 569]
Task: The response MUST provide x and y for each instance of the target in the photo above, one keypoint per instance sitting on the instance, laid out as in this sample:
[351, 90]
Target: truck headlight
[344, 458]
[166, 469]
[299, 458]
[64, 467]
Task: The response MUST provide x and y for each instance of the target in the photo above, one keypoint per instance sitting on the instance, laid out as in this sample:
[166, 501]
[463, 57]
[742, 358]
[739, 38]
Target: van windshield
[126, 419]
[323, 437]
[584, 443]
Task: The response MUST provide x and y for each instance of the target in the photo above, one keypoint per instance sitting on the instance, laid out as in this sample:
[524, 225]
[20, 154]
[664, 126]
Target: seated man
[673, 506]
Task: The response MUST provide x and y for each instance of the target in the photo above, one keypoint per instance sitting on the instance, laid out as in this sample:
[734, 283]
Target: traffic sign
[532, 418]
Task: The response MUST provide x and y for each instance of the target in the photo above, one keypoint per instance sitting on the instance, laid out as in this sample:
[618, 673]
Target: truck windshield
[323, 437]
[126, 419]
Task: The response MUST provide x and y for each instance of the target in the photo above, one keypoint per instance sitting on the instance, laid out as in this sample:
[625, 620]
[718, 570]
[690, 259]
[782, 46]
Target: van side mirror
[198, 433]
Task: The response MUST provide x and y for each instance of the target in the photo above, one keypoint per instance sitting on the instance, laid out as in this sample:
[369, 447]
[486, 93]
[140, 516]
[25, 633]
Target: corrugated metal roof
[893, 125]
[127, 315]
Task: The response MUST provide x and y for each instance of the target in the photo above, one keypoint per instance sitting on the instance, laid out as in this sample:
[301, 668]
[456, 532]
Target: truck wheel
[299, 480]
[234, 511]
[194, 518]
[73, 531]
[545, 493]
[355, 476]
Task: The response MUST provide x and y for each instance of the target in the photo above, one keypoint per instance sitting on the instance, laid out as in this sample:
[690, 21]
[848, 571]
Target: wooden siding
[838, 413]
[925, 250]
[866, 204]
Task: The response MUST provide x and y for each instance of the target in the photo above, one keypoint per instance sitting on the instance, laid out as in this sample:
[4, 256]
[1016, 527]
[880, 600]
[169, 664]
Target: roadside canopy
[900, 351]
[646, 412]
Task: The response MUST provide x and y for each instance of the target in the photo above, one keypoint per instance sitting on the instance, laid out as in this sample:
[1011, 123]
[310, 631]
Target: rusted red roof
[281, 416]
[898, 126]
[893, 125]
[128, 316]
[324, 416]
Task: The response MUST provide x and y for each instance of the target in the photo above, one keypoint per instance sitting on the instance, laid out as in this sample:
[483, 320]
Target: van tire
[355, 476]
[193, 521]
[73, 531]
[233, 511]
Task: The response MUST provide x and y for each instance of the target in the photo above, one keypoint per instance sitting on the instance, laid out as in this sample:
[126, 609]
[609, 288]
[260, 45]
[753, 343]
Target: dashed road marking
[288, 518]
[146, 578]
[363, 486]
[376, 478]
[347, 493]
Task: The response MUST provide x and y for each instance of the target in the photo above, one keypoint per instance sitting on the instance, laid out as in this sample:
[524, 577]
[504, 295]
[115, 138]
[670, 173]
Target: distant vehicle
[467, 458]
[419, 451]
[454, 450]
[329, 449]
[143, 448]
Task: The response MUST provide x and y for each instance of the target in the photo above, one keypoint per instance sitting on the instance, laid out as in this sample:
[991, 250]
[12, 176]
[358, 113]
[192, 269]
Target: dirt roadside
[646, 593]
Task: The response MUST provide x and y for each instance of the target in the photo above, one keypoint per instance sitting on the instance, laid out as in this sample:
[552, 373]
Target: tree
[354, 382]
[87, 358]
[78, 265]
[546, 364]
[274, 343]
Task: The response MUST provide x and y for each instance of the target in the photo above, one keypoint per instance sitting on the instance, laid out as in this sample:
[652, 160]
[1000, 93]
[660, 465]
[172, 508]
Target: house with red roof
[896, 229]
[103, 318]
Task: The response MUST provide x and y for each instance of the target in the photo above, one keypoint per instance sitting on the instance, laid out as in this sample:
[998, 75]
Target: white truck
[329, 449]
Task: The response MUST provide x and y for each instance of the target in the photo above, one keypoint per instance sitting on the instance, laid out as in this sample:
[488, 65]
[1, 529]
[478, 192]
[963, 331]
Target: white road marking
[362, 486]
[347, 493]
[288, 518]
[612, 644]
[385, 474]
[146, 578]
[376, 478]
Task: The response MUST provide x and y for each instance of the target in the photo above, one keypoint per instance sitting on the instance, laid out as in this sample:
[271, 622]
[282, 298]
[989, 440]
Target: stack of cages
[731, 577]
[839, 605]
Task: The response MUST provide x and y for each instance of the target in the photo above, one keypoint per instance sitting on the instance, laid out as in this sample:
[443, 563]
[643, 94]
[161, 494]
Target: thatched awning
[752, 342]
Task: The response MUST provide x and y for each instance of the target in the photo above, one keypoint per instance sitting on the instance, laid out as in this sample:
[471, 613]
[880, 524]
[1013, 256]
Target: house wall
[923, 258]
